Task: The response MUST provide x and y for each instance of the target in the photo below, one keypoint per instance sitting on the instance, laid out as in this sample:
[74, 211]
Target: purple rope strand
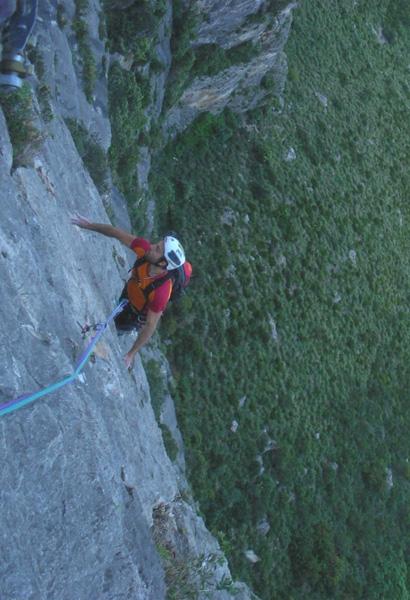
[19, 402]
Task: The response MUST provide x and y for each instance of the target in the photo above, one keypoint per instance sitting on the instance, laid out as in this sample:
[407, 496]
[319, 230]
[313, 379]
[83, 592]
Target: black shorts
[129, 318]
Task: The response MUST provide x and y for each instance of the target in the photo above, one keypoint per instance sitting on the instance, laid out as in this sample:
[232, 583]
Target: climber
[17, 19]
[154, 261]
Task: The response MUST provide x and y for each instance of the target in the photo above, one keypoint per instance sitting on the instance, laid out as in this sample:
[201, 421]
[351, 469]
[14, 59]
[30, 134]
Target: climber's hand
[128, 358]
[80, 221]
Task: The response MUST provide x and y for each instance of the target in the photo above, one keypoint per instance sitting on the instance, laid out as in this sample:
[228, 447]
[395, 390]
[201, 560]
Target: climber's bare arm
[108, 230]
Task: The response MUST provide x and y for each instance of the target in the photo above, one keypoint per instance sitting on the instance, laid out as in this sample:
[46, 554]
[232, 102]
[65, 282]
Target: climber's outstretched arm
[143, 337]
[108, 230]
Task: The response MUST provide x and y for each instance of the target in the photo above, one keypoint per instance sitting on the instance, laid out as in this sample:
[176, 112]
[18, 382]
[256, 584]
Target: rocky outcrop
[242, 86]
[63, 70]
[226, 23]
[84, 470]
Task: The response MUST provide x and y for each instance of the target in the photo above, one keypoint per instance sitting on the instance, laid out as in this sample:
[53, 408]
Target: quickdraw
[88, 328]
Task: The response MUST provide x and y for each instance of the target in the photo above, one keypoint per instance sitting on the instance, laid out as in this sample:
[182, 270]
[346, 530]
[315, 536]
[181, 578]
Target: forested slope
[296, 218]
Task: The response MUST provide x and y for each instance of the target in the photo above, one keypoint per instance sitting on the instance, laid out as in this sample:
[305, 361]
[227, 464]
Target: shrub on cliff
[92, 153]
[19, 113]
[127, 117]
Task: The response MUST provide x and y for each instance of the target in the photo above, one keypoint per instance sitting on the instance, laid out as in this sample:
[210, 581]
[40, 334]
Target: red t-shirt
[158, 299]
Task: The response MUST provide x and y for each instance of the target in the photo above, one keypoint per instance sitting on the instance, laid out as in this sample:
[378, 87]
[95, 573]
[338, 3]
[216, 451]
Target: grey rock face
[176, 526]
[225, 22]
[239, 86]
[83, 469]
[75, 497]
[63, 72]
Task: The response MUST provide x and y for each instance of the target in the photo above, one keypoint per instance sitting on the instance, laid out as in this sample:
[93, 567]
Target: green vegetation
[44, 91]
[44, 101]
[156, 386]
[170, 444]
[92, 153]
[25, 138]
[298, 324]
[157, 394]
[133, 31]
[80, 27]
[61, 18]
[190, 61]
[211, 58]
[187, 577]
[185, 22]
[127, 117]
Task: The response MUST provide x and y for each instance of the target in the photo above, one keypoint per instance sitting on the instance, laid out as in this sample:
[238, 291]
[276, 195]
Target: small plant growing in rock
[92, 153]
[170, 444]
[61, 18]
[156, 386]
[19, 113]
[80, 27]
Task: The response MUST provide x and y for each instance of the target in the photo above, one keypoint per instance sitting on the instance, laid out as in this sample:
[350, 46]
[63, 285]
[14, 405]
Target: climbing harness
[19, 402]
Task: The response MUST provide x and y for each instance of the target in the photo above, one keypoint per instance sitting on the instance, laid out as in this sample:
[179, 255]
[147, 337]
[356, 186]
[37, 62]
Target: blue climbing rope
[19, 402]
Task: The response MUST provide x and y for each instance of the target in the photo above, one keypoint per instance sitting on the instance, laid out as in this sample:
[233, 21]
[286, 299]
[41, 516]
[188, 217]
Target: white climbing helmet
[173, 252]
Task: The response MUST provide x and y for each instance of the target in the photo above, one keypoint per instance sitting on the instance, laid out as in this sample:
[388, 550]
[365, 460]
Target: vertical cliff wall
[87, 491]
[69, 526]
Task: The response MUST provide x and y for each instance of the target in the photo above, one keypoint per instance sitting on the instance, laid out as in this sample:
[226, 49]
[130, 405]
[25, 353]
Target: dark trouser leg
[128, 319]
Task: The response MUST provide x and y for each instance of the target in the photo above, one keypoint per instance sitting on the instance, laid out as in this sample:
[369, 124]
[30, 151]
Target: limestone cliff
[88, 496]
[249, 83]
